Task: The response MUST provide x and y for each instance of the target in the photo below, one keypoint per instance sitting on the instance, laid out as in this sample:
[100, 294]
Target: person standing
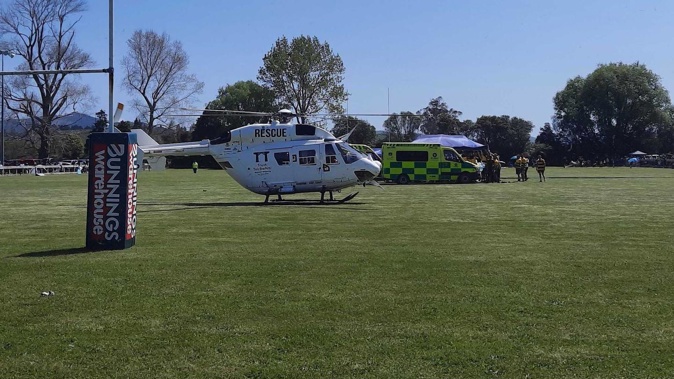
[489, 170]
[540, 167]
[525, 168]
[195, 166]
[497, 168]
[518, 167]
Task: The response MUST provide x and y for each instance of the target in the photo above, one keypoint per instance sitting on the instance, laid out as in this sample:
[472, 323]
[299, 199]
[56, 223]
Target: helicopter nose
[369, 171]
[377, 168]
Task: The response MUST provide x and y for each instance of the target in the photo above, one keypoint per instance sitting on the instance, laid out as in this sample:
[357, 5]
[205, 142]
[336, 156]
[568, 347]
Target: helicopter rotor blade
[345, 137]
[118, 113]
[281, 113]
[230, 112]
[376, 184]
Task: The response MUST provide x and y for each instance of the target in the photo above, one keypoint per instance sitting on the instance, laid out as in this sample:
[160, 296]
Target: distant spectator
[497, 168]
[540, 168]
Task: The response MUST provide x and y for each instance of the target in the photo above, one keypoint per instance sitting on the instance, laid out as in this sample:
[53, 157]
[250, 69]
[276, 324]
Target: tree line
[41, 34]
[616, 109]
[613, 111]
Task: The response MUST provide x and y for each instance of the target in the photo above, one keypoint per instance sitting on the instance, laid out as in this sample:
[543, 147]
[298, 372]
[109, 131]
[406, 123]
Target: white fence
[41, 169]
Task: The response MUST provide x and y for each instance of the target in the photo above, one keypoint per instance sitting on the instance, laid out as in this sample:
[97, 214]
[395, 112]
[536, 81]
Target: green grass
[568, 278]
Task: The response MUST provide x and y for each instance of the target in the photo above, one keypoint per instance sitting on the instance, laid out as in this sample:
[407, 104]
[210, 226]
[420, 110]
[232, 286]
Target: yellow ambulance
[406, 162]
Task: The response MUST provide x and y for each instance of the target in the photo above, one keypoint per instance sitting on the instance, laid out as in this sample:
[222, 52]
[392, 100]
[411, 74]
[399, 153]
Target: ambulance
[406, 162]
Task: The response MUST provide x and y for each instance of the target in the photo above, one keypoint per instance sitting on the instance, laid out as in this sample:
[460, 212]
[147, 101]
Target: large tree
[552, 146]
[156, 69]
[665, 133]
[306, 75]
[438, 118]
[504, 135]
[572, 122]
[402, 127]
[363, 133]
[240, 96]
[612, 111]
[42, 32]
[68, 145]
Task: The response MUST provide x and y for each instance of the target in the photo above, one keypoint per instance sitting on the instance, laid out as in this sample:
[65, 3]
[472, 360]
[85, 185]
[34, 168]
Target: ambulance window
[282, 158]
[330, 155]
[450, 156]
[307, 157]
[412, 156]
[305, 130]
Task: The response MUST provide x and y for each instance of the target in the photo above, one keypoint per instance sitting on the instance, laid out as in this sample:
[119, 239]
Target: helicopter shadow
[55, 253]
[302, 203]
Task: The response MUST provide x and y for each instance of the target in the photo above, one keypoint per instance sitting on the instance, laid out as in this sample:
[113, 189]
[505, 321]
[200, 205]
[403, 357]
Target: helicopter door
[308, 166]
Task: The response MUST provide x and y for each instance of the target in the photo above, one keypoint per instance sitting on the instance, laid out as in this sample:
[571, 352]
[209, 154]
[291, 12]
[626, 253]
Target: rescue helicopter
[277, 158]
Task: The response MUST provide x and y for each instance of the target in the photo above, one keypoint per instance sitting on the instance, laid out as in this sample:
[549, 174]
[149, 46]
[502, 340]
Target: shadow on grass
[55, 253]
[608, 177]
[272, 203]
[531, 178]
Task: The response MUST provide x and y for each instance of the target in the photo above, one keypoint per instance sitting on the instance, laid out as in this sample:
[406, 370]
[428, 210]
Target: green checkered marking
[426, 171]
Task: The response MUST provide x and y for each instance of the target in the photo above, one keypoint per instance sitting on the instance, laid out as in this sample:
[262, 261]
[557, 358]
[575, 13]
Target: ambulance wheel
[403, 179]
[463, 179]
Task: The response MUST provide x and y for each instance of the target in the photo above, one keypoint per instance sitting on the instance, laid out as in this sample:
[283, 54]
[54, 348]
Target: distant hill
[74, 120]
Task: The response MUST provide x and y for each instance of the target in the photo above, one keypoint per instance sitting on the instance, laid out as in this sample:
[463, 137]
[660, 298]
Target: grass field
[569, 278]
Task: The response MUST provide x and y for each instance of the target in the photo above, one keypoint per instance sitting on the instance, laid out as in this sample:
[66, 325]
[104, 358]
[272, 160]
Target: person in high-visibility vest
[195, 166]
[525, 168]
[519, 168]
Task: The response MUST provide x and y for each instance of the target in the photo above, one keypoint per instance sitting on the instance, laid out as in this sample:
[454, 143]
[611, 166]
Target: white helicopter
[278, 158]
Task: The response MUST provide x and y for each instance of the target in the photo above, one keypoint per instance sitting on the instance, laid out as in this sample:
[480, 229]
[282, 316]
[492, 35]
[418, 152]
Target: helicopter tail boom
[155, 153]
[152, 148]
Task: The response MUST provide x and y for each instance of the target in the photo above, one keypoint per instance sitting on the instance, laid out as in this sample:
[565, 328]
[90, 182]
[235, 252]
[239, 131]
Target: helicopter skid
[332, 200]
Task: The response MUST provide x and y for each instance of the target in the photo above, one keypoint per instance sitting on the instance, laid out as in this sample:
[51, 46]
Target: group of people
[522, 166]
[491, 173]
[490, 168]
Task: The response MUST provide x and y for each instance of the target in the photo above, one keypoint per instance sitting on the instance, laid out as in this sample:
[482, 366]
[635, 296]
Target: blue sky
[483, 57]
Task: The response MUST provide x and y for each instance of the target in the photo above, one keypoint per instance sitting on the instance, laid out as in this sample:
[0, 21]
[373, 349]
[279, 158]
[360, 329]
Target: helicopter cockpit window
[330, 155]
[282, 158]
[349, 154]
[305, 130]
[307, 157]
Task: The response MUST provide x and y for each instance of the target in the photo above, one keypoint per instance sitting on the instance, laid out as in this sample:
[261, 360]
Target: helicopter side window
[305, 130]
[282, 158]
[307, 157]
[330, 155]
